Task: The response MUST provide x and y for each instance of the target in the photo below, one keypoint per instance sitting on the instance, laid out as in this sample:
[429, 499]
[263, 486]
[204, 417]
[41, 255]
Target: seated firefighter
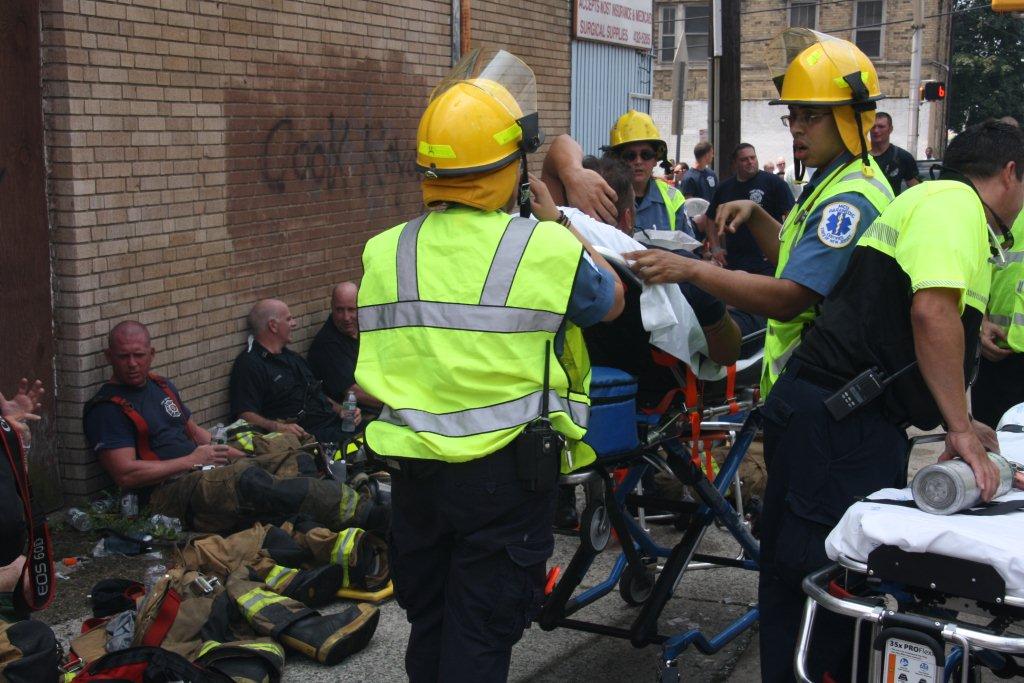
[273, 388]
[332, 355]
[146, 439]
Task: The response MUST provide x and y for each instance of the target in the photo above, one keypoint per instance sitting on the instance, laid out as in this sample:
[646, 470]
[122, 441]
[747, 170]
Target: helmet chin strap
[867, 170]
[860, 104]
[798, 167]
[524, 190]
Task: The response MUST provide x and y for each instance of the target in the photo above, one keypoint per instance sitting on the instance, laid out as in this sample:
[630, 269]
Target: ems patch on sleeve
[838, 224]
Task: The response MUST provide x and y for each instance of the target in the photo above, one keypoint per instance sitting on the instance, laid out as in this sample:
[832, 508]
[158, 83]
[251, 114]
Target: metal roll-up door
[606, 81]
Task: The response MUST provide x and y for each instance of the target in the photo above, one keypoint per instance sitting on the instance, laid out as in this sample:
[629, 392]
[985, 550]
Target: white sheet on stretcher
[997, 540]
[665, 312]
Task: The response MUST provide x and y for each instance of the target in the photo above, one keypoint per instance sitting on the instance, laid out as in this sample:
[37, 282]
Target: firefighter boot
[312, 587]
[250, 661]
[331, 638]
[328, 639]
[362, 555]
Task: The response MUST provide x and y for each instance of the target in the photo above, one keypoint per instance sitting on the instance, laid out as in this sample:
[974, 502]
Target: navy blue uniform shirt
[108, 428]
[772, 194]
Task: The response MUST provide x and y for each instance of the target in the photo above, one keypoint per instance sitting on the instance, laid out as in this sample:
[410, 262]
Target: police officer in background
[908, 309]
[1000, 382]
[470, 336]
[831, 88]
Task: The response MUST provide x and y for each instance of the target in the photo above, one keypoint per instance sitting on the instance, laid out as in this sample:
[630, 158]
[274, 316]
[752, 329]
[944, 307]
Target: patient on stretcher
[720, 330]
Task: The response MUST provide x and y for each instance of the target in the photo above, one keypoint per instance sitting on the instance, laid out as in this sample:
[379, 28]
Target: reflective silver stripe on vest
[886, 234]
[408, 284]
[456, 317]
[487, 419]
[1001, 320]
[884, 188]
[1005, 320]
[779, 364]
[506, 261]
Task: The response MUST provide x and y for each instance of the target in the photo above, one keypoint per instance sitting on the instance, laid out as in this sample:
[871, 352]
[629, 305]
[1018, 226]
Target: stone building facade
[203, 154]
[885, 35]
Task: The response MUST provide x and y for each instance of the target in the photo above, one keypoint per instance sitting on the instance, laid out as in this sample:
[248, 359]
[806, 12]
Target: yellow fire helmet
[636, 126]
[816, 69]
[480, 120]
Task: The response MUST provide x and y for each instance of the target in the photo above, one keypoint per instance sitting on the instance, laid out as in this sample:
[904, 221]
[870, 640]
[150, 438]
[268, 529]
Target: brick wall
[204, 155]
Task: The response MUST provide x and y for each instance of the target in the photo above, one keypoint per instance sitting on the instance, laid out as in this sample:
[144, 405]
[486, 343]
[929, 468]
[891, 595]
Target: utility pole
[729, 87]
[714, 71]
[915, 76]
[724, 81]
[679, 92]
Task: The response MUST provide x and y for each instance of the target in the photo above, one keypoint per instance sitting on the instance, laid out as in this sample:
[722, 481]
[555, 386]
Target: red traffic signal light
[933, 90]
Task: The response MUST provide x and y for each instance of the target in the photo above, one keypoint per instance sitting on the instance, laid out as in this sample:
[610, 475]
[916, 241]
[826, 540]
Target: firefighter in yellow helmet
[635, 139]
[470, 336]
[830, 88]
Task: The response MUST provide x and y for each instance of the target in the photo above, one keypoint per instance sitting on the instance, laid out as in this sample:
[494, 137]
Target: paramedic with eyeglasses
[831, 88]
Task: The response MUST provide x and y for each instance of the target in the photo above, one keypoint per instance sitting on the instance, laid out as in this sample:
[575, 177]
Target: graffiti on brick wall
[325, 157]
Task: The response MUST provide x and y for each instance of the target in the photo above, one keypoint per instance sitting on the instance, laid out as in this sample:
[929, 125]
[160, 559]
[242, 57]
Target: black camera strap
[36, 586]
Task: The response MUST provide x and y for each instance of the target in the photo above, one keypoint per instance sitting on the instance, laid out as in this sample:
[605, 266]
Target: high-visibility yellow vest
[1006, 297]
[672, 198]
[457, 310]
[783, 338]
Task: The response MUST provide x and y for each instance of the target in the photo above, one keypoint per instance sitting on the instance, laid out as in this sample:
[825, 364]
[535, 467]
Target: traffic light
[1008, 5]
[933, 90]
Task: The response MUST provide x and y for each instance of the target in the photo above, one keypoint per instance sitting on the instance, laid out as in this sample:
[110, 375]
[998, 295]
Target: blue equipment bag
[612, 428]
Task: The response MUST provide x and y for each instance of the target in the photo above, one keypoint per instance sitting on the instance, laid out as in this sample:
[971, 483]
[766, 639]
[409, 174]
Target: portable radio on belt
[862, 389]
[539, 447]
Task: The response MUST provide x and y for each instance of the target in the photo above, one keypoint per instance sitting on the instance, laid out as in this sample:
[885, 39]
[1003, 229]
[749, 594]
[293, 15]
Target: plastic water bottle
[219, 434]
[78, 519]
[348, 420]
[153, 575]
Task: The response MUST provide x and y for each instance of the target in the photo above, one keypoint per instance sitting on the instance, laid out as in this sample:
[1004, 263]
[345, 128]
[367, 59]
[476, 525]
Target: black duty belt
[819, 376]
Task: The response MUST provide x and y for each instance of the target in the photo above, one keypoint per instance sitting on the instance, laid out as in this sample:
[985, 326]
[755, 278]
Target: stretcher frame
[966, 638]
[631, 570]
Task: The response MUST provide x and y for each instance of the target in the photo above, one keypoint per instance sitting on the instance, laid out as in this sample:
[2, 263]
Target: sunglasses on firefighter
[645, 154]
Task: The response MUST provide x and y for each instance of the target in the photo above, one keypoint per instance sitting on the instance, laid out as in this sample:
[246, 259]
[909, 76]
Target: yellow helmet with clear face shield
[636, 126]
[480, 121]
[818, 70]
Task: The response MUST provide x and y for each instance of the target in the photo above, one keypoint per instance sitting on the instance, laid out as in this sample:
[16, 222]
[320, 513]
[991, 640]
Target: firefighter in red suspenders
[146, 439]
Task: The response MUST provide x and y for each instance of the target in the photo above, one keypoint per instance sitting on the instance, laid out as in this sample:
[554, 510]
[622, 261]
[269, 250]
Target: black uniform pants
[999, 387]
[817, 468]
[468, 552]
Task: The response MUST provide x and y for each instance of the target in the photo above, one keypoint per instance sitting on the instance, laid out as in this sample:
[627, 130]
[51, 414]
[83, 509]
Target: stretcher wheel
[636, 587]
[595, 528]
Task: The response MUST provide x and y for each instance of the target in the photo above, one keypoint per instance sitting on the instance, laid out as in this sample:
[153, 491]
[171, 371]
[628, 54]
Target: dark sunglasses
[646, 155]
